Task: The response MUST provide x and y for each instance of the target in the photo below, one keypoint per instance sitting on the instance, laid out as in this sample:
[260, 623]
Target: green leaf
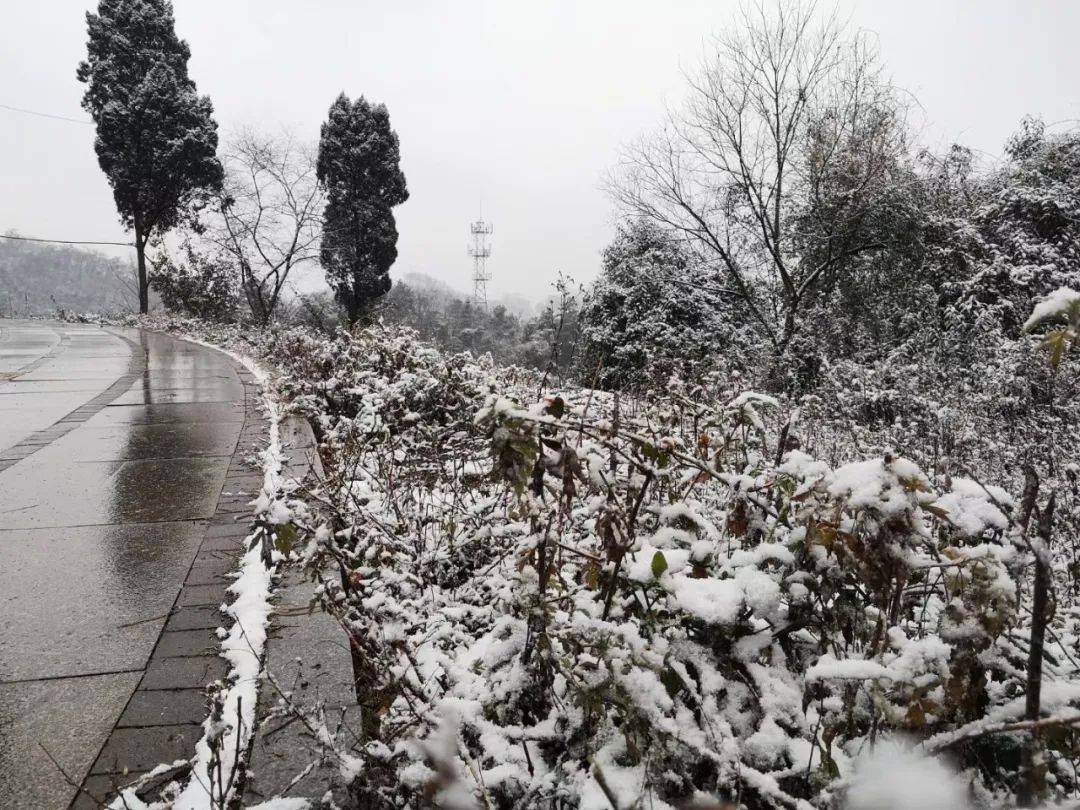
[285, 538]
[659, 564]
[1056, 342]
[592, 576]
[673, 684]
[829, 766]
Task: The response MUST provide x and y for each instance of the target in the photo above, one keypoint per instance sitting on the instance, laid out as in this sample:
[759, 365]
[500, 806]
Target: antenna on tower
[480, 251]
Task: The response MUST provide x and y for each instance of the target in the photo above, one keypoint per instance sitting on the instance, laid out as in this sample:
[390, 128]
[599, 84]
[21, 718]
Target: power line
[64, 241]
[47, 115]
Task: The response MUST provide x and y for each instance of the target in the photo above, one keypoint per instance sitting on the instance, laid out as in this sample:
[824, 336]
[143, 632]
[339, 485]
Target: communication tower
[480, 251]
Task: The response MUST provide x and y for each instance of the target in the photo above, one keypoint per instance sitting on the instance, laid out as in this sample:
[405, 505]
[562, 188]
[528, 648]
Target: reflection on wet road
[105, 487]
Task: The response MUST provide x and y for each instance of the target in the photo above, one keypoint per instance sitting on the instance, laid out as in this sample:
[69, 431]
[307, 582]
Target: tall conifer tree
[358, 165]
[156, 136]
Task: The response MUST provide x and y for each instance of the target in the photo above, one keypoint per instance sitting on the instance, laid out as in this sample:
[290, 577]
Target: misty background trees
[38, 279]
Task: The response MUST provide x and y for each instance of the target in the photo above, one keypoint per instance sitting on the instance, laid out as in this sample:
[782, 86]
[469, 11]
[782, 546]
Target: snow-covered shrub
[201, 285]
[568, 599]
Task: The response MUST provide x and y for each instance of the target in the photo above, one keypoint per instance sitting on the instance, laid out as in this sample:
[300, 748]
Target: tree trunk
[353, 306]
[790, 324]
[140, 258]
[1032, 772]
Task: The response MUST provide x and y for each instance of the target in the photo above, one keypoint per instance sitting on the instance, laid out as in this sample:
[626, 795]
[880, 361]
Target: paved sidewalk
[123, 498]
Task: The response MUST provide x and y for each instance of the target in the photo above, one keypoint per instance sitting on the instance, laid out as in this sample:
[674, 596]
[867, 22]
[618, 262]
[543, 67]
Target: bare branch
[783, 144]
[270, 214]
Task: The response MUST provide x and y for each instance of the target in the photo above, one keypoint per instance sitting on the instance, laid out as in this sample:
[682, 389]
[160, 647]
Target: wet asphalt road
[114, 445]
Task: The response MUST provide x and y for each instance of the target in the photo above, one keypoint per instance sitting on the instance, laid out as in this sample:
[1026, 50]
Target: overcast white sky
[520, 107]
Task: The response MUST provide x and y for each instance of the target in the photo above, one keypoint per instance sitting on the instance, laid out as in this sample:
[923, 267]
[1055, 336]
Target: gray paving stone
[195, 618]
[97, 790]
[71, 717]
[211, 558]
[140, 749]
[164, 708]
[162, 720]
[325, 674]
[237, 496]
[244, 481]
[181, 643]
[191, 595]
[107, 786]
[87, 599]
[231, 543]
[183, 673]
[221, 570]
[230, 529]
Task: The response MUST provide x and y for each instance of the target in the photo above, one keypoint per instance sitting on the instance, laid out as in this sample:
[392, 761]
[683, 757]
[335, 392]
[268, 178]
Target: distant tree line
[38, 279]
[547, 339]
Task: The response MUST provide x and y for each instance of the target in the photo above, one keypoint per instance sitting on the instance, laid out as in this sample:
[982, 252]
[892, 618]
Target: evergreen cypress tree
[156, 137]
[358, 166]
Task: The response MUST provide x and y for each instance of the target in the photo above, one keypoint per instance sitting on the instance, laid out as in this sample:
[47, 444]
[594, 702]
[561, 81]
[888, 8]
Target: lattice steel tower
[480, 251]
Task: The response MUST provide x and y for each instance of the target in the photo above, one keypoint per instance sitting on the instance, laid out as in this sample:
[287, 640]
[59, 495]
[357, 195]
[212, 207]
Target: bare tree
[270, 215]
[128, 281]
[782, 144]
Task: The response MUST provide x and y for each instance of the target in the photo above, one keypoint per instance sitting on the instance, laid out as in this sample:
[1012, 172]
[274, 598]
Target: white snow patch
[971, 508]
[1054, 305]
[717, 601]
[892, 777]
[875, 484]
[850, 669]
[282, 803]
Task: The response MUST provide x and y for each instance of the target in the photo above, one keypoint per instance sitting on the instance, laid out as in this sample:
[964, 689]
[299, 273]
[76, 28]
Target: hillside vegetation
[38, 279]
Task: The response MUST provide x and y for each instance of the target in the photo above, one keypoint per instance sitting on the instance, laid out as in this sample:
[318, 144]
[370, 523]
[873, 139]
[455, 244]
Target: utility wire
[47, 115]
[65, 241]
